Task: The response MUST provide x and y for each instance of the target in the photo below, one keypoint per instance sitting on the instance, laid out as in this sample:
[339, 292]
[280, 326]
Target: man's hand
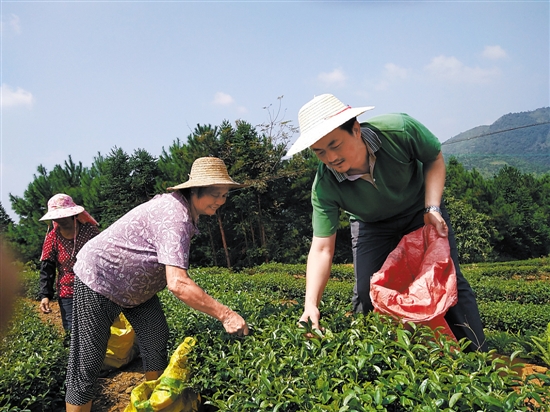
[310, 316]
[435, 219]
[45, 305]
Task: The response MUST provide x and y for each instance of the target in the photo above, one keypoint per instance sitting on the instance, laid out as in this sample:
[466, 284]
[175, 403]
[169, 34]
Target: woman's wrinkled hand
[235, 324]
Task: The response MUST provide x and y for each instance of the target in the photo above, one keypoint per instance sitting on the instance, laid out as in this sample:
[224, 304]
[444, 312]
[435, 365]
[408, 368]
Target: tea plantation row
[361, 363]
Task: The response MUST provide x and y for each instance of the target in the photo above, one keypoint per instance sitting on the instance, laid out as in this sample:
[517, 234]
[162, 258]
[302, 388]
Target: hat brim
[190, 184]
[305, 140]
[61, 213]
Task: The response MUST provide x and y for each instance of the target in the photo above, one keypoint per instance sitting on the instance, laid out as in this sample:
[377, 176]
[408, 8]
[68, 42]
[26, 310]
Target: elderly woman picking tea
[124, 268]
[72, 228]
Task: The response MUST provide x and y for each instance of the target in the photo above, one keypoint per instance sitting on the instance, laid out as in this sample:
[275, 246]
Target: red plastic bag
[417, 282]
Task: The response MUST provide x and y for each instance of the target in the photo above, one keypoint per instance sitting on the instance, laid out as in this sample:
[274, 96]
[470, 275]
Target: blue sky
[81, 77]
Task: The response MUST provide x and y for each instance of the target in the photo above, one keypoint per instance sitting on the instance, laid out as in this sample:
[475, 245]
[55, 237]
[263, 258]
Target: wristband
[429, 209]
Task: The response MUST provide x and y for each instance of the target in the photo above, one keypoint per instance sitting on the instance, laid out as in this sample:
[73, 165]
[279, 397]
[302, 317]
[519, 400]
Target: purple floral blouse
[126, 262]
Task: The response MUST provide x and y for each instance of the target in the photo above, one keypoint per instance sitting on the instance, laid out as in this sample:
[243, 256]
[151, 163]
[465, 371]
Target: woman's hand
[185, 289]
[234, 323]
[45, 305]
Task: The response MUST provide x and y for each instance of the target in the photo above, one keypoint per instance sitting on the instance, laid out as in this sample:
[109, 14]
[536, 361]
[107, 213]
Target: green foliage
[507, 343]
[507, 142]
[125, 181]
[513, 297]
[522, 221]
[501, 217]
[263, 222]
[27, 236]
[5, 219]
[542, 343]
[512, 290]
[29, 280]
[338, 271]
[111, 187]
[525, 271]
[514, 316]
[473, 231]
[356, 363]
[360, 363]
[512, 212]
[33, 361]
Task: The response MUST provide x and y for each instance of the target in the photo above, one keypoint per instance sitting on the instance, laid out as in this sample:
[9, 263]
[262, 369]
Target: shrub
[542, 346]
[33, 361]
[369, 364]
[515, 317]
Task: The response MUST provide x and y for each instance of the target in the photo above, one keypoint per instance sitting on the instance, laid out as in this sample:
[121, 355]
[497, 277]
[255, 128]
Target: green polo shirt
[405, 144]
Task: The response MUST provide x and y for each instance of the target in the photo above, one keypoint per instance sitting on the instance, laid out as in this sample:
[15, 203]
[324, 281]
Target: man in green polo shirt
[388, 175]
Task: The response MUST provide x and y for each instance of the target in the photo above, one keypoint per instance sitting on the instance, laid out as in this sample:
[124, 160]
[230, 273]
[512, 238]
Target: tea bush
[521, 291]
[542, 346]
[33, 362]
[338, 271]
[534, 268]
[360, 363]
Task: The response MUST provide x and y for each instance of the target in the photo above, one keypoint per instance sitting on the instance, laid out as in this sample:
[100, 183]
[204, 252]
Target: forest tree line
[504, 217]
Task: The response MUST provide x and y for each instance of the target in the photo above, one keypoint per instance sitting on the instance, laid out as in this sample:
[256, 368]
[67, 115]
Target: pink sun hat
[62, 205]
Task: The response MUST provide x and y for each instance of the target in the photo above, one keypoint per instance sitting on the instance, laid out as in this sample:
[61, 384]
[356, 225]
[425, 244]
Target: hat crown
[61, 205]
[60, 201]
[318, 110]
[208, 171]
[209, 168]
[319, 117]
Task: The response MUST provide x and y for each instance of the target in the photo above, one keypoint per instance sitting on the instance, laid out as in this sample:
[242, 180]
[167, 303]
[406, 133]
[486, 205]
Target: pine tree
[5, 219]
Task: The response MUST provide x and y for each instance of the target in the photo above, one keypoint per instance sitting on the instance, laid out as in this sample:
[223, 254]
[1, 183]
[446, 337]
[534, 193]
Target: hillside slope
[521, 140]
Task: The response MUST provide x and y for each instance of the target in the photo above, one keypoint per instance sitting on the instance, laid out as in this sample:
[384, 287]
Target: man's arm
[319, 263]
[434, 177]
[186, 290]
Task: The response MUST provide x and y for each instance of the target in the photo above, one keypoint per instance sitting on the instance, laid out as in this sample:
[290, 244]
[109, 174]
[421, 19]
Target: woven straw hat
[61, 205]
[208, 171]
[319, 117]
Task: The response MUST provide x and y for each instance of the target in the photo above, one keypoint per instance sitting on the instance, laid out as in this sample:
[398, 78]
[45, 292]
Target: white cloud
[12, 98]
[393, 71]
[242, 110]
[450, 68]
[494, 52]
[12, 24]
[335, 77]
[222, 99]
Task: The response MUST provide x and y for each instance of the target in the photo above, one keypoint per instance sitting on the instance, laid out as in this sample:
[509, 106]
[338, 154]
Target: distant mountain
[521, 140]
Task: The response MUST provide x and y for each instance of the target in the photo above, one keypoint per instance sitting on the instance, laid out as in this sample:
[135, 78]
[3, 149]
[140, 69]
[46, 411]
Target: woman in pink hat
[72, 228]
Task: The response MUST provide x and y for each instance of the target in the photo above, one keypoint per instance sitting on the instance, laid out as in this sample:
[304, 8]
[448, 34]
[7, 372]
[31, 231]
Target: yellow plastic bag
[168, 393]
[121, 349]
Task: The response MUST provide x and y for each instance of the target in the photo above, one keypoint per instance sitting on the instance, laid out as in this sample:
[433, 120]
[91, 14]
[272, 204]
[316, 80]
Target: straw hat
[61, 205]
[319, 117]
[208, 171]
